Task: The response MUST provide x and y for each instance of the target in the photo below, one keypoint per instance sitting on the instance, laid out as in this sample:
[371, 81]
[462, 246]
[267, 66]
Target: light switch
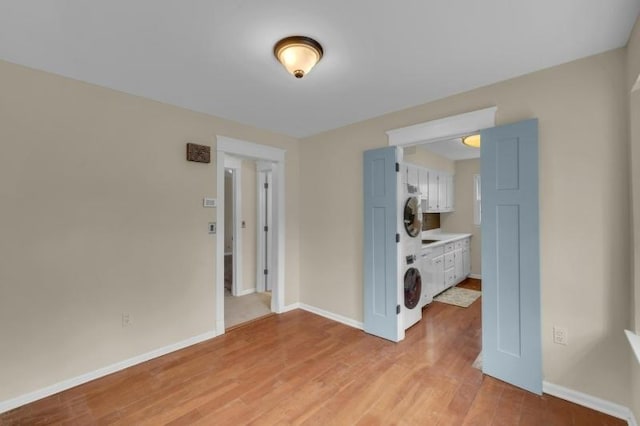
[209, 202]
[212, 227]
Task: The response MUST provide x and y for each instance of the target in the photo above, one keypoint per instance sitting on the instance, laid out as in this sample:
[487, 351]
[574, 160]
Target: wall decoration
[198, 153]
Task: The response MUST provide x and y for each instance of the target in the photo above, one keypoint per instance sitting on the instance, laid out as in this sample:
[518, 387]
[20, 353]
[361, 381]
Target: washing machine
[412, 291]
[410, 246]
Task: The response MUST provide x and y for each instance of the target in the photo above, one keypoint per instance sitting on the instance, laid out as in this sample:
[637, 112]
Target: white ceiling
[380, 56]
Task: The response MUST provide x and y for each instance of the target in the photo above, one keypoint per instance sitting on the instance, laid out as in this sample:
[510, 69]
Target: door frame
[235, 164]
[227, 146]
[443, 129]
[262, 168]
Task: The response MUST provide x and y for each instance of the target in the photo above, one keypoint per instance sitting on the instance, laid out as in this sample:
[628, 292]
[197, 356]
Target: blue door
[511, 340]
[380, 247]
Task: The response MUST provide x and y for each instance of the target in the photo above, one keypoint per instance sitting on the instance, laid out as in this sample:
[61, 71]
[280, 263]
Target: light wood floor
[299, 368]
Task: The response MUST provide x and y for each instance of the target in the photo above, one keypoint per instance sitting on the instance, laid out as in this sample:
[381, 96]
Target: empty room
[249, 212]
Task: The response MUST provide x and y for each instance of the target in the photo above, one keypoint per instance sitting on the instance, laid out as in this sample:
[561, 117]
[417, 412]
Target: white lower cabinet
[444, 267]
[432, 273]
[466, 261]
[438, 274]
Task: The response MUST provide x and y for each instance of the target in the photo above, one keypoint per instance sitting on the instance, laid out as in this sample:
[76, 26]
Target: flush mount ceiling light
[298, 54]
[472, 140]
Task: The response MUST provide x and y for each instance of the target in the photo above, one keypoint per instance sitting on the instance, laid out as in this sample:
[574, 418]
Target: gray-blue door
[511, 340]
[380, 247]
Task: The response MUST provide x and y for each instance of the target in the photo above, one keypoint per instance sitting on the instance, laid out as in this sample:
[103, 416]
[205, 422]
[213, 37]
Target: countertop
[441, 237]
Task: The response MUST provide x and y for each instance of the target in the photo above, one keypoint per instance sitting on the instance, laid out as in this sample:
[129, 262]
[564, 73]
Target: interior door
[381, 290]
[511, 339]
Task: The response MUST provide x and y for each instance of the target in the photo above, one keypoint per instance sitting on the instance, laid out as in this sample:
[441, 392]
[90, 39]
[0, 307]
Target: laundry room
[440, 183]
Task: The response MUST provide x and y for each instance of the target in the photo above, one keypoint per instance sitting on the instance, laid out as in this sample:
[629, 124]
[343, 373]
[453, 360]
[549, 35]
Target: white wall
[584, 211]
[101, 215]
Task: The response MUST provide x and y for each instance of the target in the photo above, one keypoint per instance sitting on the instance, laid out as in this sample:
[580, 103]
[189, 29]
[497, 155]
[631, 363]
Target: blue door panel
[511, 336]
[380, 247]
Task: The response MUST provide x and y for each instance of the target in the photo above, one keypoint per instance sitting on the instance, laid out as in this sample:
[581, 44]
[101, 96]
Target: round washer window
[412, 219]
[412, 288]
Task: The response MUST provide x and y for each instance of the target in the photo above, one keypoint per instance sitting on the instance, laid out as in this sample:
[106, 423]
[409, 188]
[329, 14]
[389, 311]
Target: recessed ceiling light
[298, 54]
[472, 140]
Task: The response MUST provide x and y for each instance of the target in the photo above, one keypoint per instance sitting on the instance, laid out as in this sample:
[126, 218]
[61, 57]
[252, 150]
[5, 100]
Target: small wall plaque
[198, 153]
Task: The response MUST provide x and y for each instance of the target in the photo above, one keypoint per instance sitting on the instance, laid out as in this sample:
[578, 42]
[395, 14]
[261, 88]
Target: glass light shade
[298, 54]
[473, 141]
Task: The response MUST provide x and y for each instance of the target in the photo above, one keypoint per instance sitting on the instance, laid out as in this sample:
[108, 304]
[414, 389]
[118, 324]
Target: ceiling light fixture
[298, 54]
[472, 140]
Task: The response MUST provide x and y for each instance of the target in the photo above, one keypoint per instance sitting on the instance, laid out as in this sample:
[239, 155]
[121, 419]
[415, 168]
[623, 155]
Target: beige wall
[422, 157]
[461, 220]
[102, 214]
[250, 218]
[584, 211]
[633, 70]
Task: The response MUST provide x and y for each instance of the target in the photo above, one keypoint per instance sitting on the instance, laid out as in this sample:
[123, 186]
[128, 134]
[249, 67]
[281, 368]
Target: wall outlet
[126, 320]
[560, 335]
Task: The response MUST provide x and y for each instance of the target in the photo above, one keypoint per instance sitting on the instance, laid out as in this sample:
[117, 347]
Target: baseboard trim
[330, 315]
[589, 401]
[290, 307]
[247, 291]
[27, 398]
[476, 276]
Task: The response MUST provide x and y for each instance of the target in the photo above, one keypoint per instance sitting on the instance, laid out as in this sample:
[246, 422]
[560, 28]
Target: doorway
[511, 311]
[246, 298]
[238, 163]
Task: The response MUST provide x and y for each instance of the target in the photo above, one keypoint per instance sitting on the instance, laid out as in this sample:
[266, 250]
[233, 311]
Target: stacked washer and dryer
[410, 245]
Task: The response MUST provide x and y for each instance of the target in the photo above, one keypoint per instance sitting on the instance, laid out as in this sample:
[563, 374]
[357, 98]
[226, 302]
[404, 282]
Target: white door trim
[235, 164]
[263, 167]
[230, 146]
[444, 128]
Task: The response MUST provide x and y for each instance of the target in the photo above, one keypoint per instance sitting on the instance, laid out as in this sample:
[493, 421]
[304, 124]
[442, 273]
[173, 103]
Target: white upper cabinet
[412, 179]
[423, 183]
[448, 205]
[432, 200]
[436, 188]
[445, 192]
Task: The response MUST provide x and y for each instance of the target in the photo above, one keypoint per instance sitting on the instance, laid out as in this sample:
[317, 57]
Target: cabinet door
[466, 261]
[433, 190]
[426, 272]
[450, 193]
[438, 275]
[412, 178]
[442, 192]
[423, 182]
[449, 277]
[458, 266]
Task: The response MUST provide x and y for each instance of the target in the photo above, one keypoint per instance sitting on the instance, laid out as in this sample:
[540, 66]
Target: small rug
[457, 296]
[478, 362]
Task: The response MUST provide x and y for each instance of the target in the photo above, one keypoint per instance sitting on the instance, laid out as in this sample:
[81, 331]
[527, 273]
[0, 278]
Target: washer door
[412, 288]
[412, 217]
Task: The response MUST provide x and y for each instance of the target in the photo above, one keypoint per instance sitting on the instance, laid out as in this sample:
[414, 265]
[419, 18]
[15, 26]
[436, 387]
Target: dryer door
[412, 288]
[412, 217]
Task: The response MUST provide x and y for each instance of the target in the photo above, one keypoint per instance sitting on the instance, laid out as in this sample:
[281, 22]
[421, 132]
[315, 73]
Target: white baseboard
[16, 402]
[589, 401]
[330, 315]
[476, 276]
[290, 307]
[247, 291]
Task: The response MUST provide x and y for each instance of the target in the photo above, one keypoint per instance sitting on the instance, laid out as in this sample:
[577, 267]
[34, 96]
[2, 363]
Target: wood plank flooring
[299, 368]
